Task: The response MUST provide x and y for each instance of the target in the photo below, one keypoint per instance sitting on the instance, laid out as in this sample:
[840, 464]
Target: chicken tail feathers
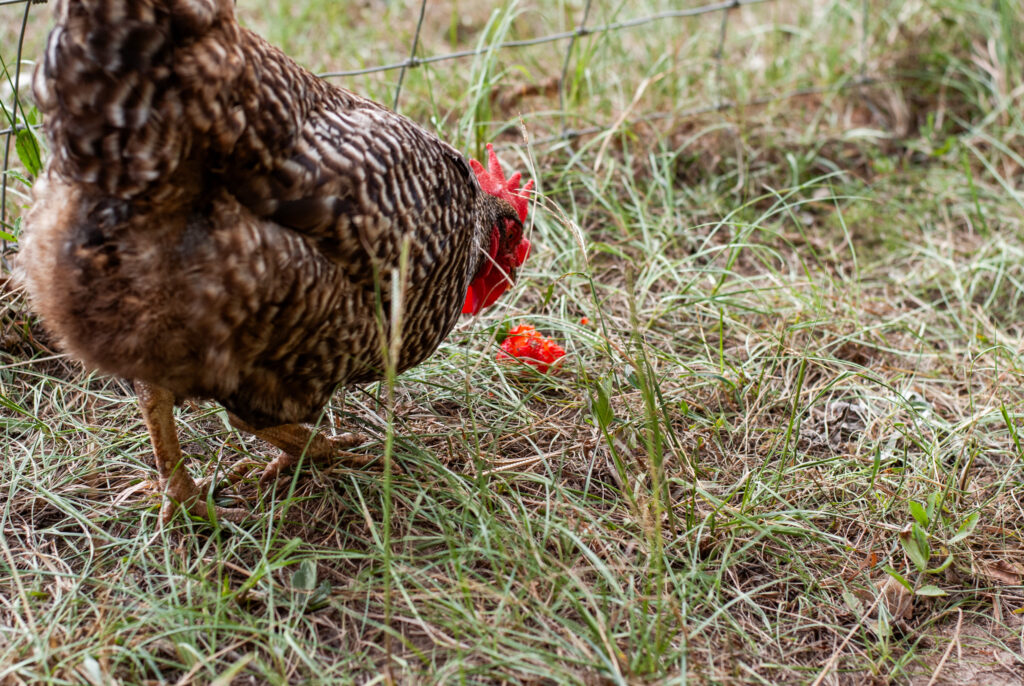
[125, 86]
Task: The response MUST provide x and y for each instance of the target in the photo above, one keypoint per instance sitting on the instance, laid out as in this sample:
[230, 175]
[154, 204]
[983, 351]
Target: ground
[784, 447]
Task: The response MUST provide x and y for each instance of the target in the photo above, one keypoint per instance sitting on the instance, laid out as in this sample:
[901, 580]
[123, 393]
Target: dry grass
[787, 449]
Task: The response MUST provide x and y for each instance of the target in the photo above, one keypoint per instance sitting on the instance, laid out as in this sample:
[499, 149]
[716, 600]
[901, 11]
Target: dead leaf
[898, 600]
[1000, 571]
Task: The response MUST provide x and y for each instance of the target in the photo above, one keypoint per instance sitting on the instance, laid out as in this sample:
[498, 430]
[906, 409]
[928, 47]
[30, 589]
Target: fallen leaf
[1000, 571]
[898, 600]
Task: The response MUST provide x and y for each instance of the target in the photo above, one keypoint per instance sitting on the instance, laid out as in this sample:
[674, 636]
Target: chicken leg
[179, 489]
[157, 406]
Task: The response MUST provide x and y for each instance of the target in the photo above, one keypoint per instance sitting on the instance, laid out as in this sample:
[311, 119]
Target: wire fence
[571, 38]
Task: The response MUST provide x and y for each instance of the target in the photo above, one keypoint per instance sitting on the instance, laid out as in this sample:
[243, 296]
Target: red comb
[490, 283]
[494, 182]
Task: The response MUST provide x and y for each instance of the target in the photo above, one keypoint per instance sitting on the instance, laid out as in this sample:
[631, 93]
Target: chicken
[217, 223]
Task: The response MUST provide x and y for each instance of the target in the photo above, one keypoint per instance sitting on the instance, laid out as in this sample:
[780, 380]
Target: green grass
[787, 446]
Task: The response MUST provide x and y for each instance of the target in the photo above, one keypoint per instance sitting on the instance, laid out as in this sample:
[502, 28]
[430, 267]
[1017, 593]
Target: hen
[216, 222]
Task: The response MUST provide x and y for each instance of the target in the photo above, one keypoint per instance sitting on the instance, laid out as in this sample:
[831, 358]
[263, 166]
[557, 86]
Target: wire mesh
[582, 28]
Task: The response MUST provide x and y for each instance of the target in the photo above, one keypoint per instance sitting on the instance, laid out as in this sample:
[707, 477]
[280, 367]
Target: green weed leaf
[942, 567]
[930, 590]
[28, 151]
[918, 512]
[915, 543]
[304, 578]
[966, 527]
[602, 405]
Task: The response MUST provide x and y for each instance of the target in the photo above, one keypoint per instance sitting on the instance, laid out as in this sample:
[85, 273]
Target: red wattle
[522, 251]
[472, 304]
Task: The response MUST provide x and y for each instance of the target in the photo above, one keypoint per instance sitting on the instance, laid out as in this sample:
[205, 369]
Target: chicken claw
[294, 440]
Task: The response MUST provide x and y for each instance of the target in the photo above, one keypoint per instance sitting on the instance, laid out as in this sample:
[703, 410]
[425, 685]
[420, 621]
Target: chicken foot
[179, 489]
[157, 406]
[296, 440]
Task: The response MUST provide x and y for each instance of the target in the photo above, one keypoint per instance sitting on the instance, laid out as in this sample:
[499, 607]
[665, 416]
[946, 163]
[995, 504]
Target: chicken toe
[194, 503]
[336, 455]
[296, 440]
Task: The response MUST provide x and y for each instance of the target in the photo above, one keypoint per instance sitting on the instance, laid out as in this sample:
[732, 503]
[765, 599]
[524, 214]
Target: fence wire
[571, 38]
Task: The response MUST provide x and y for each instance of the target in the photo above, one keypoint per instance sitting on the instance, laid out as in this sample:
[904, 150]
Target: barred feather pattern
[218, 221]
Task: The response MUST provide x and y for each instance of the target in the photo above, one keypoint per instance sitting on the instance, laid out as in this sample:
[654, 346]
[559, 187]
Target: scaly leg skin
[157, 406]
[296, 439]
